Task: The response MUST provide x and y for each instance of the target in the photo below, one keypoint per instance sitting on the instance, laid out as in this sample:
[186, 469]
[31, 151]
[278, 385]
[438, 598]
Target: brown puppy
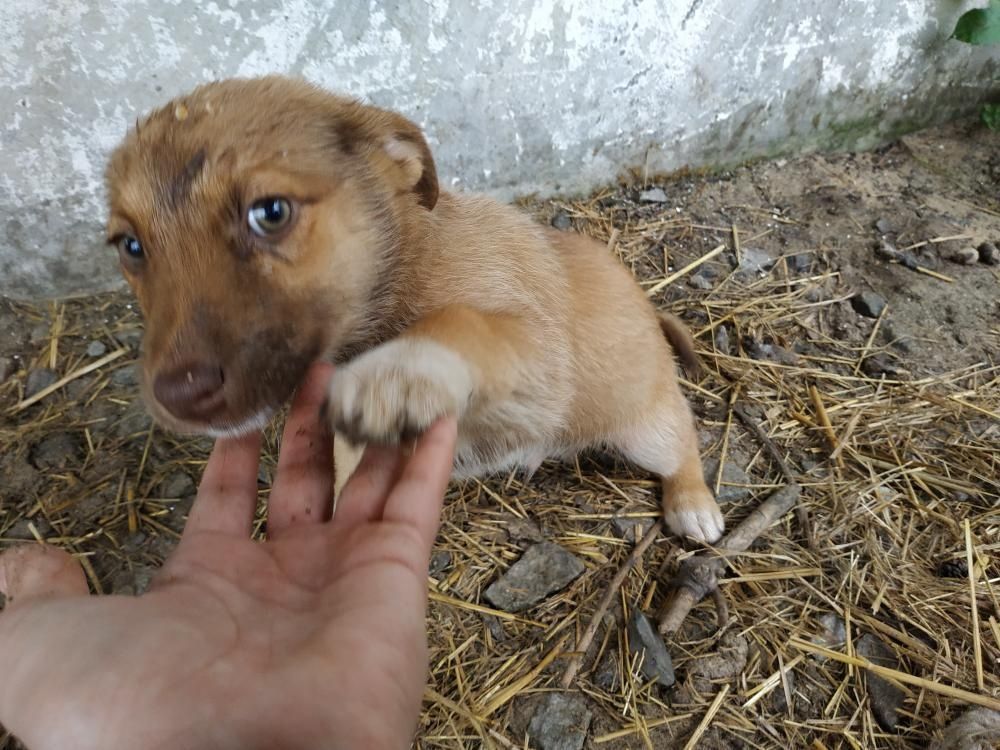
[266, 223]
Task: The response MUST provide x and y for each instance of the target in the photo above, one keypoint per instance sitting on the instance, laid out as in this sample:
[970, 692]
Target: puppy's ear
[397, 145]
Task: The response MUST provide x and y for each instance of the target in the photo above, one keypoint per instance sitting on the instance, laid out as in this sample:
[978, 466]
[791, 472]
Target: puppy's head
[257, 222]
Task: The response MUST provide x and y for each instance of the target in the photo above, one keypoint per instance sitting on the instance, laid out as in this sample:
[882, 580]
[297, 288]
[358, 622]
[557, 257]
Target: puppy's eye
[130, 247]
[269, 216]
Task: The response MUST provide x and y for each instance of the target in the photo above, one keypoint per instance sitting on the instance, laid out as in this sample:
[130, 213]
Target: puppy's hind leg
[667, 444]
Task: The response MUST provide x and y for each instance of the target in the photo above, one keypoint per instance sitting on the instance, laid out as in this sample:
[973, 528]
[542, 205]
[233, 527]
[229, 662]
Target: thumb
[31, 571]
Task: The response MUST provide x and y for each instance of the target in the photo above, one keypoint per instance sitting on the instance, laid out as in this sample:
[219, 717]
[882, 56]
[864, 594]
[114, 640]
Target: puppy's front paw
[398, 390]
[693, 512]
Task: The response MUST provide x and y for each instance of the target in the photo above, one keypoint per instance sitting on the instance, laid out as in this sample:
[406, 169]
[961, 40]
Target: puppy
[263, 224]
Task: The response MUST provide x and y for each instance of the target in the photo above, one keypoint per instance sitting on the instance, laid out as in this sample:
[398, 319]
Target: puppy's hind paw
[695, 514]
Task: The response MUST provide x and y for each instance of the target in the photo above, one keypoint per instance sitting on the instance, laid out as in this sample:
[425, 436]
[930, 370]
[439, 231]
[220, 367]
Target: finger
[363, 497]
[31, 571]
[419, 494]
[227, 496]
[303, 487]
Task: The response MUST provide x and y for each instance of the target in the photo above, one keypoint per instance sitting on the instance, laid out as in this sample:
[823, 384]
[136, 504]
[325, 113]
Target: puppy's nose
[192, 391]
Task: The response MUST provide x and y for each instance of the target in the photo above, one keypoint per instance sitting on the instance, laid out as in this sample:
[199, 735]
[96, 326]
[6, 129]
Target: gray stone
[7, 368]
[516, 98]
[607, 676]
[57, 451]
[831, 632]
[97, 349]
[38, 380]
[542, 570]
[989, 254]
[886, 699]
[177, 485]
[978, 728]
[700, 281]
[522, 529]
[125, 377]
[735, 482]
[728, 661]
[130, 337]
[754, 261]
[644, 638]
[869, 304]
[801, 262]
[440, 562]
[561, 722]
[653, 195]
[722, 342]
[562, 221]
[770, 352]
[630, 529]
[964, 256]
[885, 226]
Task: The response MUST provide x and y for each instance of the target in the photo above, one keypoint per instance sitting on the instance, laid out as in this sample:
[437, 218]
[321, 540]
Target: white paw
[695, 514]
[397, 390]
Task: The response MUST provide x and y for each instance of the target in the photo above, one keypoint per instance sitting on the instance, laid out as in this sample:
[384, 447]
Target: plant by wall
[982, 27]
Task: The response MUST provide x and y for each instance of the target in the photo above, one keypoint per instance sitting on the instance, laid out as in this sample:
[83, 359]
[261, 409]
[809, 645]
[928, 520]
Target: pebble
[779, 701]
[965, 256]
[440, 562]
[562, 221]
[699, 281]
[57, 451]
[542, 570]
[869, 304]
[644, 638]
[952, 569]
[177, 485]
[885, 697]
[7, 368]
[989, 254]
[722, 340]
[630, 529]
[800, 262]
[38, 380]
[606, 675]
[96, 349]
[131, 338]
[729, 660]
[880, 364]
[653, 195]
[522, 529]
[885, 226]
[769, 352]
[976, 729]
[734, 486]
[753, 260]
[125, 377]
[832, 632]
[561, 722]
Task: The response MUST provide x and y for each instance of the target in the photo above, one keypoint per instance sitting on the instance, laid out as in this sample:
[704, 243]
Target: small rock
[656, 662]
[885, 226]
[7, 368]
[562, 221]
[177, 485]
[96, 349]
[965, 256]
[653, 195]
[976, 729]
[40, 332]
[22, 529]
[989, 254]
[754, 260]
[722, 340]
[542, 570]
[868, 304]
[726, 663]
[493, 624]
[125, 377]
[735, 482]
[522, 530]
[607, 676]
[800, 262]
[131, 337]
[832, 632]
[38, 380]
[880, 364]
[779, 701]
[57, 451]
[440, 562]
[699, 281]
[952, 569]
[561, 722]
[885, 697]
[769, 352]
[630, 529]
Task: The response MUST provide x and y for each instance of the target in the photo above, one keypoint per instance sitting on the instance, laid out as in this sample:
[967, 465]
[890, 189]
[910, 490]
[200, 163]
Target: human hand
[312, 639]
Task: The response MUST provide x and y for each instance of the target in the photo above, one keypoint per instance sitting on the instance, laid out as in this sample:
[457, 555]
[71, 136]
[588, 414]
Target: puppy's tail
[680, 339]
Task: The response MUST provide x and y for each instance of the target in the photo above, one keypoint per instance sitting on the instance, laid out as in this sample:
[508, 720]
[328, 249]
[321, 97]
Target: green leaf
[991, 116]
[980, 26]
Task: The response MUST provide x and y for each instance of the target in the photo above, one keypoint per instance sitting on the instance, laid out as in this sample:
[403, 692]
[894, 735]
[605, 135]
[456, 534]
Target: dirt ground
[889, 420]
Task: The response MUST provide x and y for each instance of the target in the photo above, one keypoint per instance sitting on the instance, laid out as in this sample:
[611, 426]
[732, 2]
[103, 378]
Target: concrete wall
[516, 96]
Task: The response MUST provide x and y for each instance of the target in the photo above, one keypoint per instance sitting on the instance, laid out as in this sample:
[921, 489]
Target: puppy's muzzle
[192, 392]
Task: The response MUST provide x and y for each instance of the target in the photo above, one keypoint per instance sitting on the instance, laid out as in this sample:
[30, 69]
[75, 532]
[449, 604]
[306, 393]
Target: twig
[699, 575]
[68, 379]
[588, 635]
[689, 267]
[977, 646]
[707, 719]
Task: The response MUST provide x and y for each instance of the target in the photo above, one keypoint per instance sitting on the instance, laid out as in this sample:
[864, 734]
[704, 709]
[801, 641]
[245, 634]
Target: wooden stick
[595, 621]
[977, 646]
[699, 575]
[68, 379]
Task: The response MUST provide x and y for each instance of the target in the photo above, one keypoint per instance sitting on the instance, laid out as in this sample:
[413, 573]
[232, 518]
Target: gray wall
[515, 96]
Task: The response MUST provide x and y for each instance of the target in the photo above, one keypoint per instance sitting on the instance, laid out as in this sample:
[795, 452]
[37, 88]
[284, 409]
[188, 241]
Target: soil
[84, 468]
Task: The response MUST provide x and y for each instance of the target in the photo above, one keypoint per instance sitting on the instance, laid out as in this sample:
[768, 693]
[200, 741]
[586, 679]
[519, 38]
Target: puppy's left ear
[395, 146]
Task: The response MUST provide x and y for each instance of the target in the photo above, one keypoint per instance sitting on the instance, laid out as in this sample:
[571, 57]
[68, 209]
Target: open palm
[312, 639]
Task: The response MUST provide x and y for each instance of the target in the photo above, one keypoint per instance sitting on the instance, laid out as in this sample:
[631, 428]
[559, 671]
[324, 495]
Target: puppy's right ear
[395, 146]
